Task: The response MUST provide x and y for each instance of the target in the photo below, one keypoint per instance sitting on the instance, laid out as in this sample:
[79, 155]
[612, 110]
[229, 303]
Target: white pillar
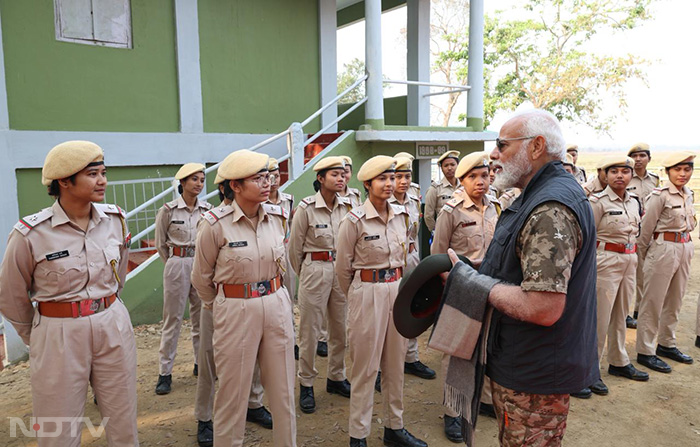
[418, 66]
[374, 108]
[328, 49]
[475, 76]
[189, 76]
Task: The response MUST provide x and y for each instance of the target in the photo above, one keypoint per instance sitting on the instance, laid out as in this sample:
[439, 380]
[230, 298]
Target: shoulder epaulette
[27, 223]
[110, 209]
[213, 215]
[491, 198]
[594, 197]
[306, 201]
[285, 196]
[345, 201]
[206, 205]
[452, 204]
[413, 197]
[434, 183]
[355, 214]
[170, 205]
[354, 191]
[398, 209]
[275, 210]
[653, 174]
[656, 191]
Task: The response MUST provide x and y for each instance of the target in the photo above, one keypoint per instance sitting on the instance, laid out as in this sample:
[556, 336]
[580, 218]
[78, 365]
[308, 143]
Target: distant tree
[350, 73]
[542, 59]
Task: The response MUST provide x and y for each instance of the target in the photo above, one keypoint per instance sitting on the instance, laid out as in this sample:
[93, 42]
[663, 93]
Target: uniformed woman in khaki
[440, 193]
[238, 268]
[617, 221]
[665, 241]
[466, 224]
[71, 260]
[176, 231]
[404, 196]
[372, 247]
[351, 193]
[312, 249]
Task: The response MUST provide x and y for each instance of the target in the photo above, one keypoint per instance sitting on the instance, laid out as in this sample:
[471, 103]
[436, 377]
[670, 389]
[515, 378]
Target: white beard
[513, 172]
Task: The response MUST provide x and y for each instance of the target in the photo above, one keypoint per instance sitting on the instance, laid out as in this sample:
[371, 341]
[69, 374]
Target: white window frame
[59, 36]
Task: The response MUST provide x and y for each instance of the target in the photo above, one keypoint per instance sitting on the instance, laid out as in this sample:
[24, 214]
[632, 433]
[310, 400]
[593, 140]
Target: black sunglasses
[501, 142]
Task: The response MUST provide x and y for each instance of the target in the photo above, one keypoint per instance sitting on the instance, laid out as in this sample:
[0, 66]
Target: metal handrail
[453, 87]
[334, 100]
[336, 121]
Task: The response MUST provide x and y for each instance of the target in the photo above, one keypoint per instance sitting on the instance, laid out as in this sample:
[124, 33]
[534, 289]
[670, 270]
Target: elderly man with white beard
[539, 275]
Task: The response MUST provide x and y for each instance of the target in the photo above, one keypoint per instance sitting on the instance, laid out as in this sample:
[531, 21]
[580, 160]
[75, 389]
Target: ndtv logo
[50, 427]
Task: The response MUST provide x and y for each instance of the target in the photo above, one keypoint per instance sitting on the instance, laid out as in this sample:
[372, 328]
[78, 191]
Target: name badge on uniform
[57, 255]
[631, 188]
[238, 244]
[177, 221]
[676, 207]
[445, 197]
[468, 224]
[615, 213]
[321, 226]
[372, 238]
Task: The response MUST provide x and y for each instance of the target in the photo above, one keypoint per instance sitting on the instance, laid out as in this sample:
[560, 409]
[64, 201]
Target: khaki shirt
[508, 197]
[176, 225]
[666, 209]
[616, 220]
[354, 195]
[593, 186]
[437, 196]
[286, 202]
[49, 258]
[642, 187]
[580, 175]
[547, 246]
[315, 227]
[414, 189]
[465, 228]
[412, 206]
[365, 241]
[230, 250]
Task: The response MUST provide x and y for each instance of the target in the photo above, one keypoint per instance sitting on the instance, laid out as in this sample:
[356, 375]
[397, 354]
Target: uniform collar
[393, 199]
[238, 213]
[60, 217]
[674, 190]
[181, 203]
[444, 182]
[320, 202]
[371, 211]
[611, 194]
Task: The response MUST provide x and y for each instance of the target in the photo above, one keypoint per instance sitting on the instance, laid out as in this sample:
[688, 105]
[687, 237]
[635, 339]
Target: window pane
[74, 19]
[112, 21]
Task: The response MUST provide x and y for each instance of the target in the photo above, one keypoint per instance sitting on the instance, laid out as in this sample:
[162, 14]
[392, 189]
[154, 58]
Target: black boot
[339, 387]
[205, 433]
[583, 394]
[378, 383]
[307, 402]
[163, 385]
[418, 369]
[259, 416]
[599, 388]
[674, 354]
[630, 322]
[653, 362]
[296, 352]
[453, 428]
[195, 371]
[354, 442]
[487, 410]
[401, 438]
[322, 349]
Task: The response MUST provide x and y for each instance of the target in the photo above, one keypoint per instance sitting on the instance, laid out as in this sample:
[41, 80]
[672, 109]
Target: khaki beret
[676, 158]
[242, 164]
[449, 154]
[188, 169]
[569, 160]
[472, 161]
[348, 160]
[273, 164]
[639, 147]
[375, 166]
[405, 155]
[403, 163]
[69, 158]
[571, 147]
[330, 163]
[618, 161]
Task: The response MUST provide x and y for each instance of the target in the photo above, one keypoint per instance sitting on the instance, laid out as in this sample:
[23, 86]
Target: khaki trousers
[666, 271]
[204, 397]
[246, 330]
[177, 290]
[67, 355]
[615, 289]
[640, 281]
[374, 342]
[320, 296]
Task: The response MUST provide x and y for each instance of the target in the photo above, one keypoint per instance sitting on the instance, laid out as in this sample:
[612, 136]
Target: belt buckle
[89, 307]
[629, 248]
[684, 237]
[387, 275]
[189, 252]
[261, 288]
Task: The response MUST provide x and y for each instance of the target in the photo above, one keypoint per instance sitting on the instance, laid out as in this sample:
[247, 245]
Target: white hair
[541, 122]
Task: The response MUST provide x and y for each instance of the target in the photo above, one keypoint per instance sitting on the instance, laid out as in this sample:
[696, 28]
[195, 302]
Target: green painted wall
[355, 13]
[54, 85]
[395, 114]
[259, 64]
[143, 295]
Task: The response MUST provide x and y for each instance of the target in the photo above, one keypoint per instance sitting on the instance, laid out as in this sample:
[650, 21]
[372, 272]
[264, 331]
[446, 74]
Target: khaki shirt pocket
[373, 248]
[61, 276]
[322, 231]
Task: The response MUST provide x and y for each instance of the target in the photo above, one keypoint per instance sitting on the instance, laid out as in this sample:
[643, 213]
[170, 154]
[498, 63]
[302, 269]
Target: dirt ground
[662, 412]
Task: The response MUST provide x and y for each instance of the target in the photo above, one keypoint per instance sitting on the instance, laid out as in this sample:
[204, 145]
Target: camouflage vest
[526, 357]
